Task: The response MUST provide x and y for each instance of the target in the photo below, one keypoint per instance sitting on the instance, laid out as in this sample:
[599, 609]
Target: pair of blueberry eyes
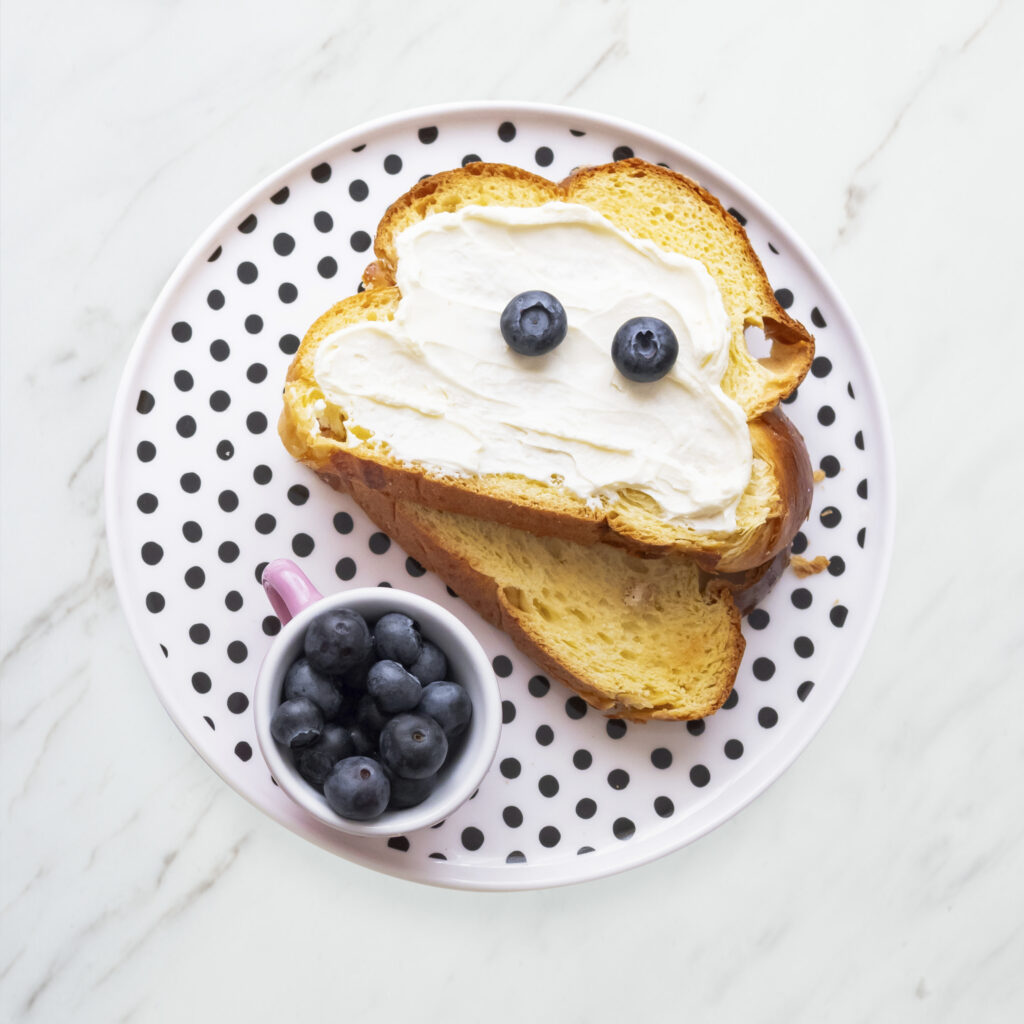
[644, 348]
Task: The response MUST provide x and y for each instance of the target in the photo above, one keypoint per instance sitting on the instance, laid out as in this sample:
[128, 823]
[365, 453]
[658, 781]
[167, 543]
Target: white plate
[193, 449]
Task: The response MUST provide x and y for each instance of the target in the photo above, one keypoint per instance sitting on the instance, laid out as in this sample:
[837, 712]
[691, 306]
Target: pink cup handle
[288, 588]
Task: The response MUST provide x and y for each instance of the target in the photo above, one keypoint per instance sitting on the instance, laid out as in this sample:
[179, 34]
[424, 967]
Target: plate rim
[544, 876]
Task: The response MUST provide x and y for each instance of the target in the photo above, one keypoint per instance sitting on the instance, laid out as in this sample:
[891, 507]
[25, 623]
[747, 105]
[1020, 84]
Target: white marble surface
[879, 879]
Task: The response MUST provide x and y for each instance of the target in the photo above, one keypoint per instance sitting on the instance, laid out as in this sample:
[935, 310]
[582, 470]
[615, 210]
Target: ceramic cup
[296, 602]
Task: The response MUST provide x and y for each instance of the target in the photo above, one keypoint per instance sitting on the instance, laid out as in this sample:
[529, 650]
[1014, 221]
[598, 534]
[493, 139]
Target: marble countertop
[878, 879]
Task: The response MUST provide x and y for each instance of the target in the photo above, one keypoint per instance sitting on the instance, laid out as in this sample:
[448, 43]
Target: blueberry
[302, 680]
[370, 716]
[316, 761]
[297, 723]
[409, 792]
[413, 746]
[430, 665]
[449, 705]
[644, 349]
[397, 639]
[337, 641]
[362, 741]
[393, 688]
[353, 681]
[533, 323]
[357, 788]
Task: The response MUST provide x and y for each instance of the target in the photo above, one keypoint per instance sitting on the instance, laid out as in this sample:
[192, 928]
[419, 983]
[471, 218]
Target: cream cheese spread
[438, 385]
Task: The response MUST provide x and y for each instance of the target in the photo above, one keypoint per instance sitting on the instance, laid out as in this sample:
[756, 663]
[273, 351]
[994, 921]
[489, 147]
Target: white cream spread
[441, 388]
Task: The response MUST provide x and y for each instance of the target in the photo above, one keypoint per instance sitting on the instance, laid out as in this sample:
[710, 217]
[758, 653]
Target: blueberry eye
[644, 349]
[533, 323]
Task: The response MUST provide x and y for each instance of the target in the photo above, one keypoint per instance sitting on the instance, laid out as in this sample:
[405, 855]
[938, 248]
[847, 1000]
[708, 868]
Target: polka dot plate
[201, 494]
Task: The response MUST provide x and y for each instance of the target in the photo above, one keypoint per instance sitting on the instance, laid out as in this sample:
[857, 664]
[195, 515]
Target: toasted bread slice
[645, 201]
[636, 638]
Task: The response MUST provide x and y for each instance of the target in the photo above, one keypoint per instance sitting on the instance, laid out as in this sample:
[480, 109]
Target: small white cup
[296, 602]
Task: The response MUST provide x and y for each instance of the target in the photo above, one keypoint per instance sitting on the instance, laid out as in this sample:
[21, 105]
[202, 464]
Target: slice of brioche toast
[636, 638]
[646, 202]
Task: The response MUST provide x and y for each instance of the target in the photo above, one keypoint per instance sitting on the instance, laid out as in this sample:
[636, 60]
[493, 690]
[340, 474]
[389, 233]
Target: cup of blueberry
[376, 709]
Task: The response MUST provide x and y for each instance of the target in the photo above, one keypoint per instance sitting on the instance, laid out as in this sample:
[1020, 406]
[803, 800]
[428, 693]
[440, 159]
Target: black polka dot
[233, 600]
[287, 292]
[732, 700]
[549, 836]
[392, 163]
[849, 389]
[623, 828]
[321, 173]
[544, 156]
[544, 735]
[427, 135]
[400, 843]
[280, 196]
[771, 246]
[508, 712]
[152, 552]
[155, 601]
[586, 808]
[548, 785]
[575, 707]
[861, 534]
[510, 768]
[323, 221]
[451, 592]
[830, 466]
[186, 426]
[228, 551]
[622, 153]
[256, 373]
[784, 297]
[145, 403]
[470, 158]
[302, 544]
[345, 569]
[219, 349]
[767, 718]
[227, 500]
[183, 380]
[237, 651]
[215, 299]
[502, 666]
[663, 807]
[837, 615]
[209, 721]
[816, 318]
[379, 543]
[265, 523]
[289, 344]
[696, 727]
[247, 272]
[616, 728]
[803, 646]
[661, 757]
[201, 682]
[147, 502]
[699, 775]
[243, 751]
[256, 422]
[192, 531]
[358, 190]
[576, 132]
[413, 568]
[472, 838]
[254, 323]
[259, 570]
[830, 517]
[516, 857]
[733, 749]
[271, 624]
[181, 331]
[618, 778]
[804, 689]
[506, 131]
[248, 226]
[764, 669]
[862, 489]
[836, 565]
[538, 686]
[195, 577]
[822, 366]
[826, 415]
[284, 244]
[298, 494]
[146, 451]
[736, 215]
[582, 759]
[791, 397]
[512, 816]
[799, 545]
[237, 703]
[801, 598]
[199, 633]
[327, 267]
[262, 474]
[360, 241]
[758, 618]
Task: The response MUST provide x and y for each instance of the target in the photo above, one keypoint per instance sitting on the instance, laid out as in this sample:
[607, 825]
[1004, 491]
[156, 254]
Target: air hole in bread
[757, 344]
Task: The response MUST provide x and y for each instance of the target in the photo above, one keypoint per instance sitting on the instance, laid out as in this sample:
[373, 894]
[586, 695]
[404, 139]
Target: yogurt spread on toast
[438, 386]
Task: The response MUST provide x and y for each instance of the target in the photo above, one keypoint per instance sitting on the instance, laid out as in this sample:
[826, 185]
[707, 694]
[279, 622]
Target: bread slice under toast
[645, 201]
[637, 638]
